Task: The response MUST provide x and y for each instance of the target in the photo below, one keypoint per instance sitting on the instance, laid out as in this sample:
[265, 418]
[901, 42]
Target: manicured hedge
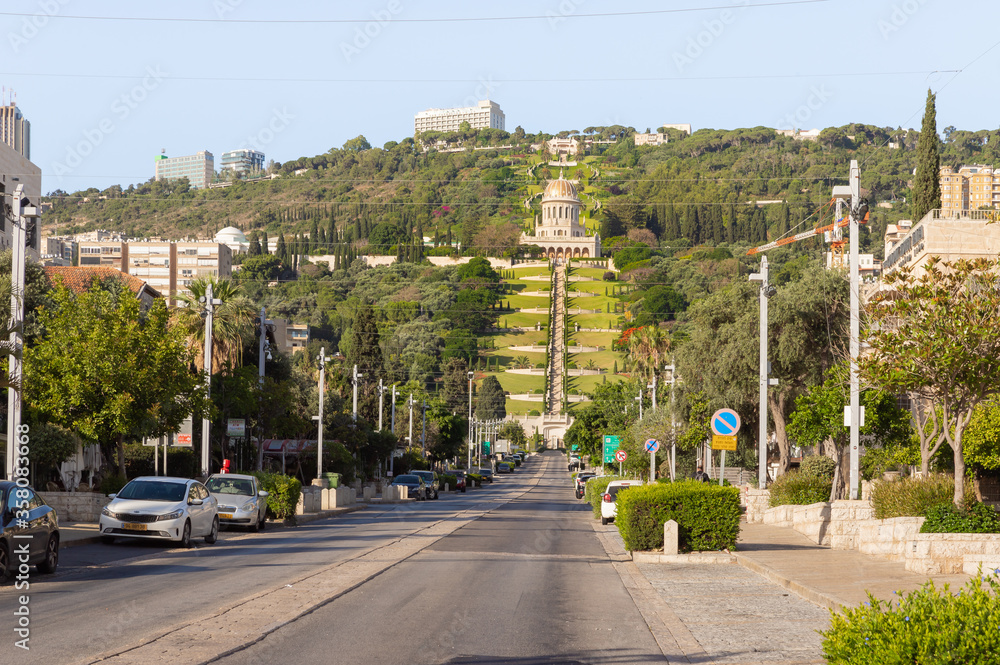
[795, 488]
[946, 518]
[282, 493]
[707, 516]
[928, 625]
[912, 497]
[594, 491]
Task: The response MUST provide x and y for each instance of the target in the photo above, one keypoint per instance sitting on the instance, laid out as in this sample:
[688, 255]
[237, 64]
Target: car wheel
[256, 525]
[463, 490]
[261, 522]
[437, 495]
[108, 540]
[4, 563]
[214, 534]
[604, 521]
[51, 560]
[186, 535]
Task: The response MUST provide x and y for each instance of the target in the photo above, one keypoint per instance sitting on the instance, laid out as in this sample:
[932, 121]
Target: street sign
[611, 444]
[621, 456]
[183, 441]
[236, 427]
[725, 422]
[723, 442]
[575, 447]
[652, 445]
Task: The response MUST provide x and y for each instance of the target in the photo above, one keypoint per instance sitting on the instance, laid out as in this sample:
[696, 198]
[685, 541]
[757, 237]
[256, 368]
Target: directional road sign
[611, 444]
[621, 456]
[652, 445]
[725, 422]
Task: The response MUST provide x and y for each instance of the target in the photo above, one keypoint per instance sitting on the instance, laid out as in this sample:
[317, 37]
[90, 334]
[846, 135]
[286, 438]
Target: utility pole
[409, 439]
[263, 325]
[766, 291]
[423, 431]
[856, 212]
[22, 211]
[471, 374]
[673, 425]
[354, 380]
[392, 457]
[210, 302]
[322, 398]
[381, 393]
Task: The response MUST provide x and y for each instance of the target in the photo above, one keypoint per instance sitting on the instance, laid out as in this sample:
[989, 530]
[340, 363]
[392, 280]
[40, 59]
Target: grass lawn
[519, 407]
[531, 271]
[522, 338]
[591, 287]
[591, 338]
[525, 302]
[507, 356]
[519, 383]
[600, 302]
[604, 359]
[593, 320]
[520, 320]
[588, 272]
[587, 384]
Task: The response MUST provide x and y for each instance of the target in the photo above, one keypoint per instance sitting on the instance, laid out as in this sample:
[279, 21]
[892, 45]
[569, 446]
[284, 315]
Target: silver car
[162, 507]
[241, 501]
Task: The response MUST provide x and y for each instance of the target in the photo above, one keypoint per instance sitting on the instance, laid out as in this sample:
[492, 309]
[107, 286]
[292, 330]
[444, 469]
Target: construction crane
[839, 224]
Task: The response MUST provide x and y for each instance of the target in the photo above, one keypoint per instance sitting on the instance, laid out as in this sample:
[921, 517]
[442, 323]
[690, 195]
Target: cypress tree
[927, 184]
[281, 250]
[313, 237]
[264, 243]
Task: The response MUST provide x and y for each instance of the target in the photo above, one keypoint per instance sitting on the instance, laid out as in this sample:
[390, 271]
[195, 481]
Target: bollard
[446, 488]
[670, 537]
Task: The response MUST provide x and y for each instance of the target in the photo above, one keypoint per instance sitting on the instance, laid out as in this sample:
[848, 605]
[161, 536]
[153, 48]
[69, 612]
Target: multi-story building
[15, 130]
[485, 115]
[650, 139]
[169, 267]
[199, 168]
[57, 251]
[970, 188]
[948, 235]
[244, 160]
[558, 147]
[894, 233]
[16, 169]
[290, 337]
[680, 126]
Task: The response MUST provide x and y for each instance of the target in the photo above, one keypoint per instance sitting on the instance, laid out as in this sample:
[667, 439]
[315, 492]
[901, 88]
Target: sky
[297, 78]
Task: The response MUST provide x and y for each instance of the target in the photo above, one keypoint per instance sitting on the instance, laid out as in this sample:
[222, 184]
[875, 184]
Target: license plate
[129, 526]
[225, 516]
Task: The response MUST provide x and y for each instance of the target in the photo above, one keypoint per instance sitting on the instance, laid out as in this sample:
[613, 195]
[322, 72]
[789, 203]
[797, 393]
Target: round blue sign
[725, 422]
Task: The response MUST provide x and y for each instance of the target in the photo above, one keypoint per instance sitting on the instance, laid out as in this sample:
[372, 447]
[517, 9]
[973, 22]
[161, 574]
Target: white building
[681, 127]
[485, 115]
[244, 160]
[650, 139]
[559, 147]
[561, 231]
[199, 168]
[16, 169]
[233, 238]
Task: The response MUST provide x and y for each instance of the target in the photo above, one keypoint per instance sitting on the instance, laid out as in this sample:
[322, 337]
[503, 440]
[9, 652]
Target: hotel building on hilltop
[485, 115]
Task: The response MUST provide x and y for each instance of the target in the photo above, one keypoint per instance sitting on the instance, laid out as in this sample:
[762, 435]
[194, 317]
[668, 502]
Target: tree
[491, 404]
[259, 268]
[927, 184]
[935, 335]
[232, 321]
[513, 431]
[456, 384]
[478, 268]
[648, 348]
[108, 372]
[365, 352]
[281, 250]
[357, 144]
[254, 249]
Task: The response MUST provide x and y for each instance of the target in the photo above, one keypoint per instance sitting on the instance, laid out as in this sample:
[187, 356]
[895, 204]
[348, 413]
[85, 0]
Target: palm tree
[591, 364]
[232, 321]
[648, 348]
[522, 362]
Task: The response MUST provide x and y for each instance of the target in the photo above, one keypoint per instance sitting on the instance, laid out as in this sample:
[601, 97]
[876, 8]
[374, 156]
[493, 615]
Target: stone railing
[76, 506]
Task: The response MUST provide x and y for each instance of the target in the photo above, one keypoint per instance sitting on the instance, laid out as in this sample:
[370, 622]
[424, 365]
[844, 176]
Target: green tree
[455, 391]
[232, 322]
[106, 371]
[935, 335]
[927, 184]
[357, 144]
[491, 404]
[366, 353]
[259, 268]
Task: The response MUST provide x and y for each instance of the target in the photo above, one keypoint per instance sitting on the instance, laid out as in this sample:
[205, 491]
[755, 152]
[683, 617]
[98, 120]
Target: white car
[241, 501]
[175, 509]
[609, 507]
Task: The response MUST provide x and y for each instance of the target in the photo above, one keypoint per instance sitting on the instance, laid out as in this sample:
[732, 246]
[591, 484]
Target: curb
[803, 591]
[711, 558]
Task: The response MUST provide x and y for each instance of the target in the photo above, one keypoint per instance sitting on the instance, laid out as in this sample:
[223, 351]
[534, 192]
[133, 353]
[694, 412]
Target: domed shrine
[560, 230]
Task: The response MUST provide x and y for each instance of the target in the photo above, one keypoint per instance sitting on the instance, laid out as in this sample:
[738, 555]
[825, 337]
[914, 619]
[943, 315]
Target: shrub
[928, 625]
[912, 497]
[534, 412]
[795, 488]
[282, 493]
[473, 479]
[946, 518]
[448, 479]
[594, 492]
[609, 276]
[112, 484]
[819, 466]
[707, 516]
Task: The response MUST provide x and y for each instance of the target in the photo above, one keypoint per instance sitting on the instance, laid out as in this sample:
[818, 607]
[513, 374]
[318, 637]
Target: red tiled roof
[79, 278]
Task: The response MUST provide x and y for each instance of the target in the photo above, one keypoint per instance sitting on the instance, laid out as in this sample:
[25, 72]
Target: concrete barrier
[76, 506]
[368, 493]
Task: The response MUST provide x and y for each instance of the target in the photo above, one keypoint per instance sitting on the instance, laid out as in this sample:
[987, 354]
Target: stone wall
[76, 506]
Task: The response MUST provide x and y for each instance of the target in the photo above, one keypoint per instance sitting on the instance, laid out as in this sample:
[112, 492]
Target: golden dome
[560, 189]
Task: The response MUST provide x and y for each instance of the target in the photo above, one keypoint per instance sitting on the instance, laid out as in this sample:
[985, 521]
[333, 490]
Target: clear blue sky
[308, 86]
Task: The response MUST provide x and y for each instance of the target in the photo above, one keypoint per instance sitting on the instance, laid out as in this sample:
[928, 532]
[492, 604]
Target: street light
[471, 374]
[767, 291]
[264, 326]
[209, 302]
[322, 398]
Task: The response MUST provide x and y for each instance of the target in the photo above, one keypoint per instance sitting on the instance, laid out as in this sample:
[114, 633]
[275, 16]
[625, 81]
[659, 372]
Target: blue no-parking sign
[652, 445]
[725, 422]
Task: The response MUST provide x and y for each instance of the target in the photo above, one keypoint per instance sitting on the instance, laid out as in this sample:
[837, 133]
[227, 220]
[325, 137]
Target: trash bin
[333, 479]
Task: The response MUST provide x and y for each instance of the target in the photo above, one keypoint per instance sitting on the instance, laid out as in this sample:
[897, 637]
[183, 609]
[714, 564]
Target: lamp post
[210, 302]
[766, 291]
[354, 381]
[392, 456]
[264, 325]
[673, 434]
[23, 215]
[471, 374]
[322, 398]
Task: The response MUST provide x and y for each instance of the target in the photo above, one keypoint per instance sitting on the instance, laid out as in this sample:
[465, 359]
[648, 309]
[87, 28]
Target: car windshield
[613, 491]
[151, 490]
[486, 472]
[424, 474]
[406, 479]
[239, 486]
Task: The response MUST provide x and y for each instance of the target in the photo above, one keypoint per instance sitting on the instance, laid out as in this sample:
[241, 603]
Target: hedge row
[707, 516]
[594, 492]
[282, 493]
[795, 488]
[913, 497]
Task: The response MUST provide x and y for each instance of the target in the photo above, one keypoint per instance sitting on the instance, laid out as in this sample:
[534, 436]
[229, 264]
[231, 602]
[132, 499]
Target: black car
[581, 483]
[487, 475]
[504, 467]
[29, 530]
[433, 481]
[415, 484]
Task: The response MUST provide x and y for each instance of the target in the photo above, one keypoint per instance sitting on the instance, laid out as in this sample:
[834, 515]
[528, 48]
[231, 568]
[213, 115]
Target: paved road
[105, 598]
[527, 583]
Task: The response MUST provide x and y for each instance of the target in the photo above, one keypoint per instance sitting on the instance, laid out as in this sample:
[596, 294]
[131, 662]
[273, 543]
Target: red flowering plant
[621, 344]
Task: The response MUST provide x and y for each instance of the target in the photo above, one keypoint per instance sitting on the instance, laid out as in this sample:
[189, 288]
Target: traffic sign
[611, 444]
[723, 442]
[725, 422]
[652, 445]
[621, 456]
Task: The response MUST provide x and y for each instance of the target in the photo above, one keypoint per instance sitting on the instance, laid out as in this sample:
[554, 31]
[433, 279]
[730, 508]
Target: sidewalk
[827, 577]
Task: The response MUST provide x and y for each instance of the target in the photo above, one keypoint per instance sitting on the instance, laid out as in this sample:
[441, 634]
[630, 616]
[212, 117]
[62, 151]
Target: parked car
[504, 467]
[241, 501]
[414, 484]
[24, 513]
[581, 482]
[517, 459]
[609, 507]
[460, 479]
[575, 462]
[487, 475]
[161, 507]
[433, 481]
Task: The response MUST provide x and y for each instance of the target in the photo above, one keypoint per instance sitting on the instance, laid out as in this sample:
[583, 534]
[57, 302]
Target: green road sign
[486, 447]
[611, 444]
[575, 447]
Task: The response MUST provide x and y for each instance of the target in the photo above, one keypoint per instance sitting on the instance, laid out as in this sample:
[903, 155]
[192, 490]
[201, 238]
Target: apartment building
[242, 161]
[485, 115]
[168, 267]
[198, 168]
[650, 139]
[16, 169]
[15, 130]
[969, 188]
[290, 337]
[947, 234]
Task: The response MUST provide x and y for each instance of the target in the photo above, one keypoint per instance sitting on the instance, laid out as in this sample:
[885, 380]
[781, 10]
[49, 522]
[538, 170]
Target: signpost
[236, 427]
[620, 456]
[611, 444]
[725, 425]
[652, 445]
